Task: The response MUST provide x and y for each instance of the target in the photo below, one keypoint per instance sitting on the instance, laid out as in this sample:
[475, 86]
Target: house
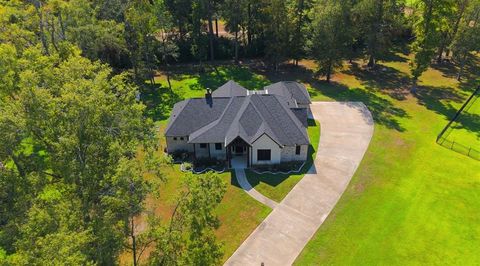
[249, 127]
[291, 90]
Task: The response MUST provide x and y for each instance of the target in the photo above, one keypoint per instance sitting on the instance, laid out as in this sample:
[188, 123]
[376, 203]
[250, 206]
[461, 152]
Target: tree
[297, 14]
[189, 237]
[449, 25]
[168, 49]
[140, 27]
[330, 39]
[427, 35]
[232, 12]
[68, 122]
[277, 32]
[468, 38]
[377, 22]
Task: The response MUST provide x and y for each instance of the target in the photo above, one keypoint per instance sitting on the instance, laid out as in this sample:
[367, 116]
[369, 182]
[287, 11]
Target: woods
[79, 157]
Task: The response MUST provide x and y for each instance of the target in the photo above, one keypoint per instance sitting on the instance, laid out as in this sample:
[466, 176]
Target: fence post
[469, 150]
[453, 143]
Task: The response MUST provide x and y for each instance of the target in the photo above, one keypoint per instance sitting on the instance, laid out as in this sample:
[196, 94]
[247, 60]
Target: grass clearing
[465, 128]
[277, 186]
[411, 201]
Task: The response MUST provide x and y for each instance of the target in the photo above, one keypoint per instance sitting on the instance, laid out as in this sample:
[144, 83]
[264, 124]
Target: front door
[239, 149]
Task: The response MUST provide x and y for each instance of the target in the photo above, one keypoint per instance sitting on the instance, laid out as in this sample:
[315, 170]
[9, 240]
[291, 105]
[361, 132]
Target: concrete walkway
[242, 180]
[346, 132]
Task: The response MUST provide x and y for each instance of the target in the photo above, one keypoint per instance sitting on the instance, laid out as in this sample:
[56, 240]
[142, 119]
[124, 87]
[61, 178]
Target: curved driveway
[347, 128]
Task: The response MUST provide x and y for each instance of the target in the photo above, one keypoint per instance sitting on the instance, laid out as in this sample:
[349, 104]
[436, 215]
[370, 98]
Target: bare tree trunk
[462, 65]
[52, 33]
[442, 47]
[134, 242]
[216, 27]
[371, 61]
[210, 30]
[43, 38]
[457, 24]
[62, 26]
[329, 71]
[249, 24]
[168, 81]
[236, 46]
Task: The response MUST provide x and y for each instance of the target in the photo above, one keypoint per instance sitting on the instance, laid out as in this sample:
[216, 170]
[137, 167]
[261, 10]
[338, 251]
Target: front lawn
[277, 186]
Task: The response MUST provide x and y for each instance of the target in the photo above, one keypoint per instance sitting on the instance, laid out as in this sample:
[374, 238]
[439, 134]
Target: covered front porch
[239, 154]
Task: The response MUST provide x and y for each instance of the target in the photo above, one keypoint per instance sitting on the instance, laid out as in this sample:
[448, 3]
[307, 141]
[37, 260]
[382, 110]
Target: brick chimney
[208, 97]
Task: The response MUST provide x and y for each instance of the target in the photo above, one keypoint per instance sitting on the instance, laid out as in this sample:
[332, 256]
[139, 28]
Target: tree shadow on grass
[159, 101]
[383, 79]
[469, 122]
[439, 99]
[221, 74]
[384, 112]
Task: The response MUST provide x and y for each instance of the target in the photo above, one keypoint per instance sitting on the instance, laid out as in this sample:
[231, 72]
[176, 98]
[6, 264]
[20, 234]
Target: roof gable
[290, 90]
[230, 89]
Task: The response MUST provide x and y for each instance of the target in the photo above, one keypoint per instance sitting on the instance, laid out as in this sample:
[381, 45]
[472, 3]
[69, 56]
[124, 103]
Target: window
[297, 149]
[264, 155]
[174, 138]
[218, 146]
[181, 138]
[203, 145]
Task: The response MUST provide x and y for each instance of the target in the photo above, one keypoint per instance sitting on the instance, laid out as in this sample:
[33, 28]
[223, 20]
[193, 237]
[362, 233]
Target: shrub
[207, 162]
[283, 167]
[180, 155]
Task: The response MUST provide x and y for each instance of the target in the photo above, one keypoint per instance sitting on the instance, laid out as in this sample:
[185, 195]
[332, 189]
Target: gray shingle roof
[247, 117]
[302, 115]
[190, 115]
[230, 89]
[290, 89]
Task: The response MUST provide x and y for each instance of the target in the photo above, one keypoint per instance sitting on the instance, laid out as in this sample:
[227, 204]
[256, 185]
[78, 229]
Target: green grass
[411, 201]
[277, 186]
[464, 130]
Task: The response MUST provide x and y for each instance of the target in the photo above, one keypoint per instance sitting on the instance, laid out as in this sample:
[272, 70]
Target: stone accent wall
[288, 153]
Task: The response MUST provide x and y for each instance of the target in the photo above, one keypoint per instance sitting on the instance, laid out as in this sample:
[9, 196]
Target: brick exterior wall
[288, 153]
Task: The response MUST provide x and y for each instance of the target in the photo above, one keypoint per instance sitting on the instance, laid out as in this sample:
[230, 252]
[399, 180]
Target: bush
[180, 155]
[187, 166]
[283, 167]
[207, 162]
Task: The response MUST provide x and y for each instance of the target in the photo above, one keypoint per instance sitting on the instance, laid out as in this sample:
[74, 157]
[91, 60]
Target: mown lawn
[411, 200]
[277, 186]
[463, 129]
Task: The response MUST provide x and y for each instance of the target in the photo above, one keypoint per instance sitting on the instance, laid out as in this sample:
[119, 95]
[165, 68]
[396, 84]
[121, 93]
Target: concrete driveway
[347, 128]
